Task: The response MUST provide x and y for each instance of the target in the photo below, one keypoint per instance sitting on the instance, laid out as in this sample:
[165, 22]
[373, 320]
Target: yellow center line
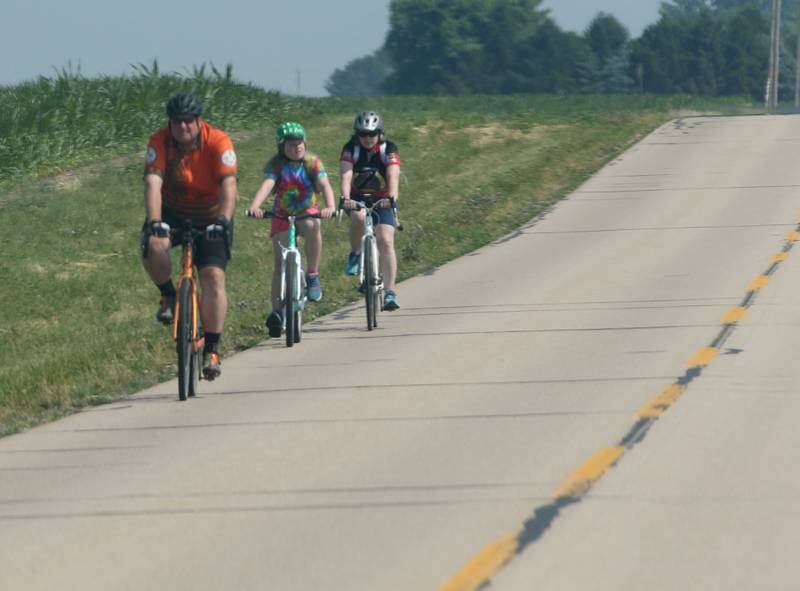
[734, 315]
[758, 282]
[661, 403]
[579, 481]
[478, 571]
[704, 356]
[486, 563]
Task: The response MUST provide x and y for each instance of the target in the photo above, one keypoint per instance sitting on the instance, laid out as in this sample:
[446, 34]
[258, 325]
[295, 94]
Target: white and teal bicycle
[293, 278]
[369, 274]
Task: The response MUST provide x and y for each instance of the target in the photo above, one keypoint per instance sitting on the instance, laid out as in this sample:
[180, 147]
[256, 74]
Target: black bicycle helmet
[184, 104]
[368, 121]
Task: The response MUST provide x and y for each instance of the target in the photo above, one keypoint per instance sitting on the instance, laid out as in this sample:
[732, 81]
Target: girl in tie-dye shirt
[295, 176]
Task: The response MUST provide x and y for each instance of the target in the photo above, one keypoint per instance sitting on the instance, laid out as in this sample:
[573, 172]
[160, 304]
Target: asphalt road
[605, 399]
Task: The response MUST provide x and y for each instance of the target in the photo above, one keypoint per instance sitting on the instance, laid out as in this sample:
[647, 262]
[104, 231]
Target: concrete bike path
[481, 425]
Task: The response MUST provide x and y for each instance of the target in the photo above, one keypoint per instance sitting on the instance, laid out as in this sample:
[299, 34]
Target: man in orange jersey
[190, 173]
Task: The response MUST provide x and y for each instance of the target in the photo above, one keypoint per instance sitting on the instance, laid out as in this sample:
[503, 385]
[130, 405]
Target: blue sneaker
[351, 268]
[313, 288]
[390, 303]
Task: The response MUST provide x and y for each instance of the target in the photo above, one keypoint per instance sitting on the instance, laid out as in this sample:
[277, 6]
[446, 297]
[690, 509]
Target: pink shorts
[279, 225]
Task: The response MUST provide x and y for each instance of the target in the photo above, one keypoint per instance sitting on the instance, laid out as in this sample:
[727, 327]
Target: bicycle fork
[198, 342]
[373, 274]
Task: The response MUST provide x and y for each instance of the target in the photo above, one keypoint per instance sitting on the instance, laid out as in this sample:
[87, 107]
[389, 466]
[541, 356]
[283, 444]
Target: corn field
[54, 123]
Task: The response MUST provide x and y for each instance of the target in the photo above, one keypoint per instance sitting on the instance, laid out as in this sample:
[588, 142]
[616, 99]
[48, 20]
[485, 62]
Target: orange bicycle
[186, 329]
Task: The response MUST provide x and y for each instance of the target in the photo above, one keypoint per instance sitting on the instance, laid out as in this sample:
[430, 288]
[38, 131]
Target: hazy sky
[282, 45]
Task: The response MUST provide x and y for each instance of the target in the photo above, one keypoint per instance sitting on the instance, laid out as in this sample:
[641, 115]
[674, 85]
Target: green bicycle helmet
[289, 130]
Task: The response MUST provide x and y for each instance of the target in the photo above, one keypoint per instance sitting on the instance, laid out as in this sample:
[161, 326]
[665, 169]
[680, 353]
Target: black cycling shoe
[165, 310]
[274, 324]
[212, 368]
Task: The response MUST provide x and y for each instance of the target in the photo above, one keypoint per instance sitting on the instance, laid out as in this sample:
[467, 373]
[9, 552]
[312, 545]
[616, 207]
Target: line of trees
[703, 47]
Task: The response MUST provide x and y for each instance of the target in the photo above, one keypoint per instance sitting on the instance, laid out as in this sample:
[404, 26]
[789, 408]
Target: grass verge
[78, 308]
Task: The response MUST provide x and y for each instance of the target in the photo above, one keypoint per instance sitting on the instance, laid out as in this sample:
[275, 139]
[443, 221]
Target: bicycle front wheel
[290, 276]
[184, 340]
[370, 280]
[298, 314]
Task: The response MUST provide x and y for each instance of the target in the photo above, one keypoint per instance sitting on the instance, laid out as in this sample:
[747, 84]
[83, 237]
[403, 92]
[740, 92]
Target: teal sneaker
[351, 268]
[390, 303]
[313, 288]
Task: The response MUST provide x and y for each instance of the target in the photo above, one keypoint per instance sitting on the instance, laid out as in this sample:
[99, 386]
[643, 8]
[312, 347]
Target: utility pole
[797, 68]
[774, 57]
[298, 82]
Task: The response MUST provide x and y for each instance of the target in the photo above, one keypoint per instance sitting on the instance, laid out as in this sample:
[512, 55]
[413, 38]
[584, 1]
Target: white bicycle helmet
[368, 121]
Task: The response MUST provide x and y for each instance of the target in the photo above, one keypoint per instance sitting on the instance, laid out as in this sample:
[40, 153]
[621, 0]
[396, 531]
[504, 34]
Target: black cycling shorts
[208, 253]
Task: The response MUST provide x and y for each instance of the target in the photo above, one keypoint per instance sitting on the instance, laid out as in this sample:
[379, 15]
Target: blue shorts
[383, 215]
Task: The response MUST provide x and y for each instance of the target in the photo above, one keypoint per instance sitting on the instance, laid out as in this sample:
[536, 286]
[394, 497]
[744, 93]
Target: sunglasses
[367, 134]
[178, 121]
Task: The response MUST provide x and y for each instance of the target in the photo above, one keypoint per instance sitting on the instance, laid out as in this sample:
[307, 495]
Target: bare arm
[152, 196]
[393, 179]
[327, 191]
[346, 178]
[228, 196]
[262, 193]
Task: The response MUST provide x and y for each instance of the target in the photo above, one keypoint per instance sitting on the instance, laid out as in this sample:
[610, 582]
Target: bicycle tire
[369, 281]
[197, 354]
[298, 315]
[196, 369]
[291, 296]
[184, 341]
[377, 291]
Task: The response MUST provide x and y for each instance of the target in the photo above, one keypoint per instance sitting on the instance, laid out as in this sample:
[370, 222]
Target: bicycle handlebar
[186, 233]
[367, 198]
[368, 201]
[272, 214]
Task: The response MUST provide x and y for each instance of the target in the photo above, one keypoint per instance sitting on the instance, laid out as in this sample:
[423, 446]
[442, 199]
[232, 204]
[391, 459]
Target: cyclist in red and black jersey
[370, 164]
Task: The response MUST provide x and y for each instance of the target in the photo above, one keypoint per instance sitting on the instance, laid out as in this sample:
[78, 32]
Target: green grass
[56, 123]
[78, 323]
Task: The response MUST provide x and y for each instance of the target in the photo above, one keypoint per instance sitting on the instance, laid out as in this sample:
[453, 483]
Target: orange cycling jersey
[192, 179]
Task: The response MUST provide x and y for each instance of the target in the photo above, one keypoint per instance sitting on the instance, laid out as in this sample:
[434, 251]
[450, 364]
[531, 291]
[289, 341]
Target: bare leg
[214, 300]
[356, 230]
[310, 230]
[277, 303]
[158, 264]
[385, 234]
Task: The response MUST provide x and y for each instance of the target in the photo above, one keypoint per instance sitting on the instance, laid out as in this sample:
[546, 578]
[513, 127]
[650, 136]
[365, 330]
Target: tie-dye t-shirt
[295, 192]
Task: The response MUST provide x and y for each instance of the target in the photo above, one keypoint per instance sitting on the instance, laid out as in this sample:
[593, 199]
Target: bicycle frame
[287, 252]
[187, 292]
[369, 275]
[187, 274]
[292, 291]
[370, 257]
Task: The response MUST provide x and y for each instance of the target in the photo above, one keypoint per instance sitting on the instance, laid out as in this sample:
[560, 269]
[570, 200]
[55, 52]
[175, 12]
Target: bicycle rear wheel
[370, 280]
[291, 296]
[184, 340]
